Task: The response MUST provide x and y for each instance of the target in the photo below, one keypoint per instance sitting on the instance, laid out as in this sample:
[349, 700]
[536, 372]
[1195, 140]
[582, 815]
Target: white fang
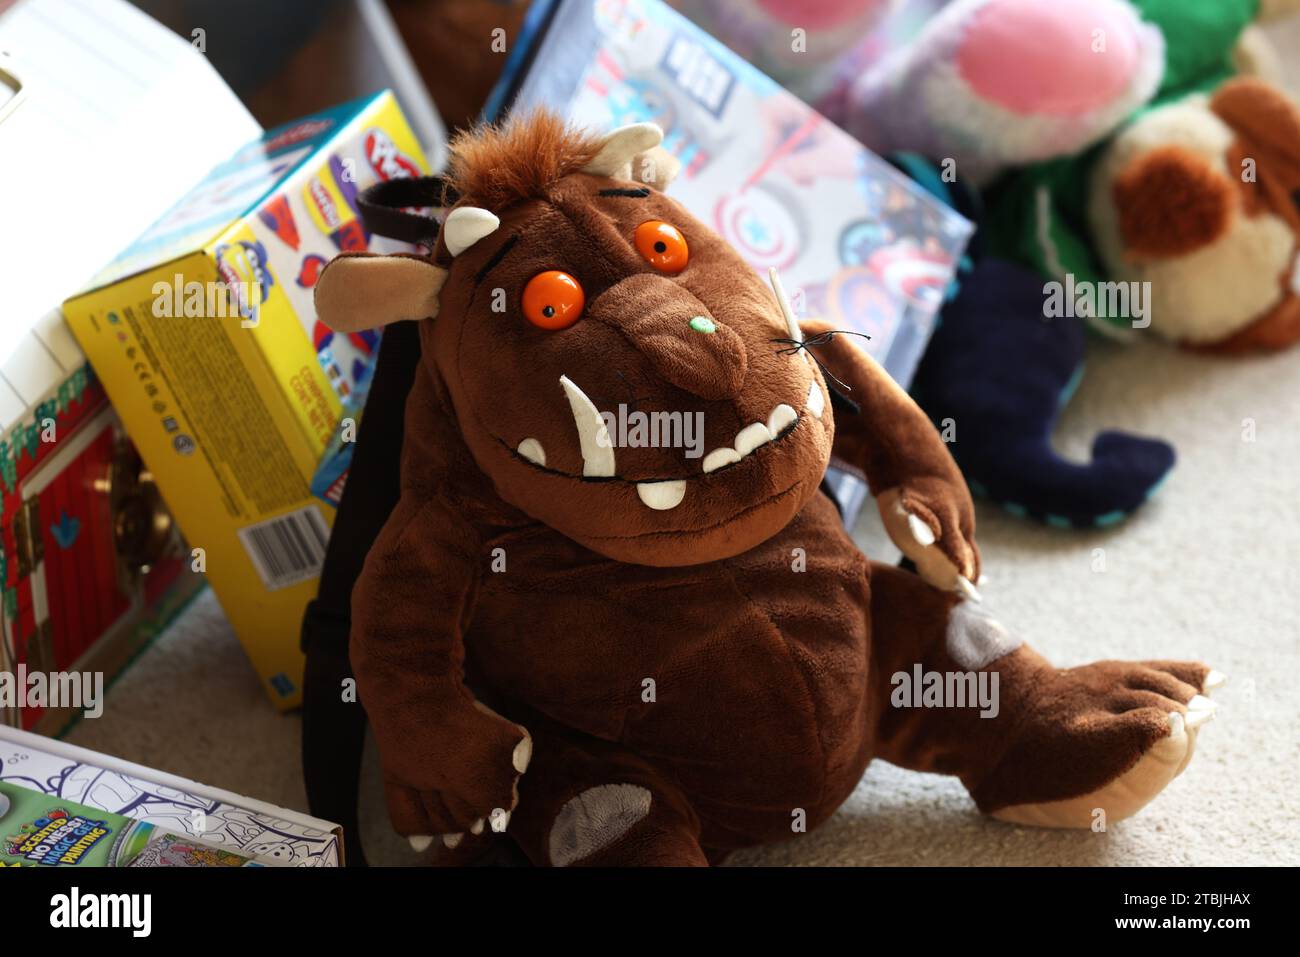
[597, 449]
[532, 450]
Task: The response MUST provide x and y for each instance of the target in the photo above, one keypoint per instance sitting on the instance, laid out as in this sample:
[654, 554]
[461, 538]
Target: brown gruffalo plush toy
[631, 652]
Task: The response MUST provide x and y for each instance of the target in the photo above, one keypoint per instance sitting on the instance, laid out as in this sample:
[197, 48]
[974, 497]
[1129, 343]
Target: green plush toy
[1189, 205]
[1138, 153]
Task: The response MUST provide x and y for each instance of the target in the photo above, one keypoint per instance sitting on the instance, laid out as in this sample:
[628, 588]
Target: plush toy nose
[687, 346]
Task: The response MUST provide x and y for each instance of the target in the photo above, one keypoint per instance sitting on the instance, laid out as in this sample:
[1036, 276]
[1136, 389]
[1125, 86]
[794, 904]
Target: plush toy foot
[1034, 744]
[1149, 711]
[1002, 370]
[588, 803]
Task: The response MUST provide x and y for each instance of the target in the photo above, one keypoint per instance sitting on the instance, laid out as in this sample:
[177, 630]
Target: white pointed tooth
[532, 450]
[720, 457]
[1176, 724]
[782, 417]
[751, 437]
[452, 841]
[420, 842]
[1214, 679]
[597, 449]
[816, 401]
[662, 495]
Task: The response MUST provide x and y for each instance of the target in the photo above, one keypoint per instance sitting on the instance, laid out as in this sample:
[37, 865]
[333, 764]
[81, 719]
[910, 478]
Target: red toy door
[76, 593]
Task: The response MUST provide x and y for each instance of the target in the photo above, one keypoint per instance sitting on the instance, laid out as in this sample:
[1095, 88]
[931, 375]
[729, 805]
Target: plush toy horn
[465, 226]
[621, 145]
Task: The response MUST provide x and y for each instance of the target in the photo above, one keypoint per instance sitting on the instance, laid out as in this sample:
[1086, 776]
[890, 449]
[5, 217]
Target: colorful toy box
[37, 830]
[55, 797]
[204, 336]
[91, 564]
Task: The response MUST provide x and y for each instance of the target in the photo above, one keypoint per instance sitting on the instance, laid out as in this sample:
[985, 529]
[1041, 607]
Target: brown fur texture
[642, 686]
[520, 158]
[1171, 202]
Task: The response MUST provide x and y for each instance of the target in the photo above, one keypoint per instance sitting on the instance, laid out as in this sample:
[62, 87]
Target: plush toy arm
[450, 764]
[923, 500]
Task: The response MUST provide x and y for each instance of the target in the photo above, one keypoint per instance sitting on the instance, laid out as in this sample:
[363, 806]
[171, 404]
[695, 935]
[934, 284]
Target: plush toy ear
[656, 168]
[359, 291]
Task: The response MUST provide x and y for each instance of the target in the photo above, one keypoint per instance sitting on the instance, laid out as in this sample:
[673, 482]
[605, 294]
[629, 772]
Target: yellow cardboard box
[205, 339]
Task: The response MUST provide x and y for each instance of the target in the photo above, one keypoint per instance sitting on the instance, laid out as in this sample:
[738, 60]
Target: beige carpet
[1210, 570]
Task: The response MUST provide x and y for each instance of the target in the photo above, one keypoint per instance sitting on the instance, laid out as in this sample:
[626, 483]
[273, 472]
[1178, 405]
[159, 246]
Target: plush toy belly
[746, 678]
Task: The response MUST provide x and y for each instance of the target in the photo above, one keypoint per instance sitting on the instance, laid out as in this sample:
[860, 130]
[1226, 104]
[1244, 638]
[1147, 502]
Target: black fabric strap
[334, 729]
[386, 208]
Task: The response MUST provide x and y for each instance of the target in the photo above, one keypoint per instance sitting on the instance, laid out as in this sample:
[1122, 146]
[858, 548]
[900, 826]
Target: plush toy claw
[459, 848]
[945, 555]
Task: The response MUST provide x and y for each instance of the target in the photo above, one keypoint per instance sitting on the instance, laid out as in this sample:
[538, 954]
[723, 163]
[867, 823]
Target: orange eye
[553, 300]
[662, 245]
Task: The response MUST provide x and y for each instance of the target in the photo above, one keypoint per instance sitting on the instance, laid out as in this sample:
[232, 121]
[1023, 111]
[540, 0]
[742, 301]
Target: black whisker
[792, 346]
[497, 256]
[631, 193]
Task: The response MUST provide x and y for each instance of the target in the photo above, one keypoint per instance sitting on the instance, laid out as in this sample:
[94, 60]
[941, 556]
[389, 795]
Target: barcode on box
[288, 548]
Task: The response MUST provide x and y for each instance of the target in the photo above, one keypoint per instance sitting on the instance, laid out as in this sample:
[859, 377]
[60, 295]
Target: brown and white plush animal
[629, 655]
[1201, 198]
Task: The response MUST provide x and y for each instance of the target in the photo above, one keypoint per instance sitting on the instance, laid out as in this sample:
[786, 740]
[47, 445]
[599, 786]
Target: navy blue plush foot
[1000, 372]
